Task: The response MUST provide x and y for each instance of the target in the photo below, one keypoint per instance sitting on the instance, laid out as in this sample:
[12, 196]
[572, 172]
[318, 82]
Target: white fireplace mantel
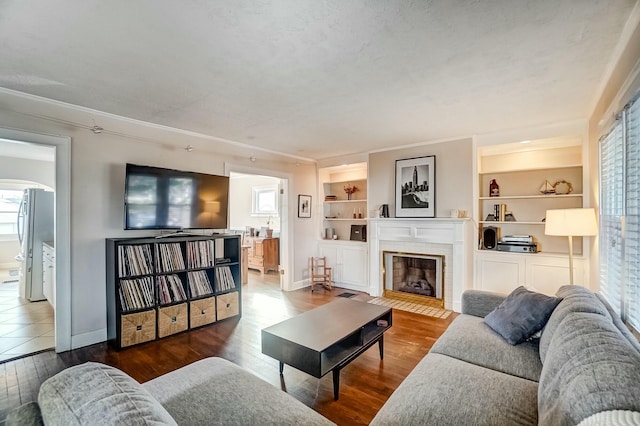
[452, 232]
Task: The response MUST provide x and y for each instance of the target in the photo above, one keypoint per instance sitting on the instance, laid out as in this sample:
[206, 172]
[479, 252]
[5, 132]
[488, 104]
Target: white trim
[62, 231]
[423, 143]
[297, 285]
[86, 339]
[286, 214]
[134, 122]
[627, 31]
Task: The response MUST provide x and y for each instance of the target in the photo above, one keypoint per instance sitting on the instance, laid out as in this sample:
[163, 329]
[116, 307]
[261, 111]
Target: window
[9, 204]
[620, 214]
[265, 200]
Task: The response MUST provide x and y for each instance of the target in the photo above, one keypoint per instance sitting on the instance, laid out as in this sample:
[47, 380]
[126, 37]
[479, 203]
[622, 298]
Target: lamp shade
[571, 222]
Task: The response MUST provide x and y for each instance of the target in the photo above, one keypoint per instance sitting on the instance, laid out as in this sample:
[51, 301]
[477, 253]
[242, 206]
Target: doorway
[259, 211]
[61, 147]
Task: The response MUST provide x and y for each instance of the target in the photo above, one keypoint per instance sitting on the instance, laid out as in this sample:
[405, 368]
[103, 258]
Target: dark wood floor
[365, 384]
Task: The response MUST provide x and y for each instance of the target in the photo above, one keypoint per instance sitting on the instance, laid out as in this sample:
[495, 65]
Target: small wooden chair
[320, 273]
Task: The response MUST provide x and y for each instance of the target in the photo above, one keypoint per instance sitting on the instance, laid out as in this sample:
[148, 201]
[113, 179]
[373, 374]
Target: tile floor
[25, 327]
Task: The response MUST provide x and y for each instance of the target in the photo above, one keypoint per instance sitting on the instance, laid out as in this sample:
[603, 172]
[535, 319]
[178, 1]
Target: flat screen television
[157, 198]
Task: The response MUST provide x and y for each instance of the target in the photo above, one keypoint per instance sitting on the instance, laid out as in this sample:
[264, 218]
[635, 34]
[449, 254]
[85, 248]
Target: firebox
[417, 274]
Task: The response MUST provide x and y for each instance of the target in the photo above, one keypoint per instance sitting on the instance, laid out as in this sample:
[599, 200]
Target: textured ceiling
[316, 78]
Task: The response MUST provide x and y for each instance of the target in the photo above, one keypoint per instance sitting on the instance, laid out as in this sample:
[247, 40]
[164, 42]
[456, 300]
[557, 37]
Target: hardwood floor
[365, 384]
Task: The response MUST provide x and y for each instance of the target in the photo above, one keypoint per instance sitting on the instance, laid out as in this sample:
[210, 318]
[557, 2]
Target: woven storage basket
[202, 312]
[137, 328]
[172, 320]
[227, 305]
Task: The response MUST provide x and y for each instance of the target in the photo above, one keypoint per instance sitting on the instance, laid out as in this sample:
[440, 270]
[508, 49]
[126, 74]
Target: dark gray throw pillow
[521, 314]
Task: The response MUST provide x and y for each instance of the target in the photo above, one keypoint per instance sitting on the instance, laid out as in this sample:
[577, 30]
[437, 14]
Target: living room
[94, 142]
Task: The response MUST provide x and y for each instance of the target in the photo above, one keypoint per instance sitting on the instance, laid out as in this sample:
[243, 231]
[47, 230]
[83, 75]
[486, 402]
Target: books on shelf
[170, 289]
[199, 283]
[169, 257]
[200, 254]
[136, 293]
[224, 279]
[134, 260]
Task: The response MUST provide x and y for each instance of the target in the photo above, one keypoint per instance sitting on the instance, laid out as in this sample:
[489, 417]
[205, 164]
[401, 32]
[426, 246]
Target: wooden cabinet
[160, 287]
[349, 260]
[503, 272]
[262, 253]
[49, 273]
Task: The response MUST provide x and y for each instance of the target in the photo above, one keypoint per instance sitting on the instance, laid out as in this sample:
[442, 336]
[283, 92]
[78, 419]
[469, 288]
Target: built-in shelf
[529, 169]
[510, 222]
[364, 200]
[345, 219]
[529, 197]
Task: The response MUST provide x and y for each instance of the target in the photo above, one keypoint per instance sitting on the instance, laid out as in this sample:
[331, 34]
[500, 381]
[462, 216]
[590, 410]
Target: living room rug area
[416, 308]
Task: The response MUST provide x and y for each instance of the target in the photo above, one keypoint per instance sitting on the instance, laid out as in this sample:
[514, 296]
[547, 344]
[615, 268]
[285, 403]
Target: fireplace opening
[417, 274]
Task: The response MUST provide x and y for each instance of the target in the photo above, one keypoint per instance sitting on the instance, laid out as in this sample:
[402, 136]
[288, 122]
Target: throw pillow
[521, 314]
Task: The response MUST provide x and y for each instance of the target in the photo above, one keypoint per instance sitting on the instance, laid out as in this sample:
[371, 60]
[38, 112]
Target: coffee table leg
[281, 367]
[336, 383]
[381, 346]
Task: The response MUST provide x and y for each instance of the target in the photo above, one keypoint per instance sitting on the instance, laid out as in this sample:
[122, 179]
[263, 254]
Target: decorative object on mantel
[546, 188]
[304, 206]
[330, 198]
[562, 187]
[416, 187]
[350, 189]
[570, 223]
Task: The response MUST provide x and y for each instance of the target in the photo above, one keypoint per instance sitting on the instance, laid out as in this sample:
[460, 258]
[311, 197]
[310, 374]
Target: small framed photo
[416, 187]
[304, 205]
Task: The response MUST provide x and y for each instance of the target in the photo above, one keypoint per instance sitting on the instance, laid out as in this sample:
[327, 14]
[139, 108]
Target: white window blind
[632, 216]
[620, 215]
[611, 212]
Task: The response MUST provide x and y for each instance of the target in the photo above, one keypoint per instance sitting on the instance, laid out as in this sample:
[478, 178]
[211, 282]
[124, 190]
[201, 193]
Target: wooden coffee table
[327, 338]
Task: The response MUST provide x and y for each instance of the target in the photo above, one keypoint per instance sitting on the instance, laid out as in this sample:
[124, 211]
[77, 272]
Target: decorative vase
[349, 196]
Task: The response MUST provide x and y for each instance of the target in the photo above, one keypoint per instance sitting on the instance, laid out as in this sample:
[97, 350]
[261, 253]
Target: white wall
[240, 200]
[454, 175]
[97, 187]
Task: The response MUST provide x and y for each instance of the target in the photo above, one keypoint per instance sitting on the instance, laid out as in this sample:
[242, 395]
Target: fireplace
[449, 239]
[414, 273]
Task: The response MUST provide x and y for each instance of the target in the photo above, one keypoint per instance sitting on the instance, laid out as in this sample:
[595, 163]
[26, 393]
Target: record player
[518, 244]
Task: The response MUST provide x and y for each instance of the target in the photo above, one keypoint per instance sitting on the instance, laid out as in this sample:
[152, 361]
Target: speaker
[490, 236]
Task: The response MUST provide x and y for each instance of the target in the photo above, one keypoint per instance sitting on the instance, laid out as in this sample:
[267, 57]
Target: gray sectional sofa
[584, 369]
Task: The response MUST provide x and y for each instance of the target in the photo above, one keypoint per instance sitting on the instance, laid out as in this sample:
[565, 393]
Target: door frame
[286, 260]
[62, 227]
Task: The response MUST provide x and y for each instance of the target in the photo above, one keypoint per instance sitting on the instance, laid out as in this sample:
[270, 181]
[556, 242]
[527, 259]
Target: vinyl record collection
[199, 283]
[169, 257]
[200, 254]
[170, 289]
[224, 279]
[136, 293]
[134, 260]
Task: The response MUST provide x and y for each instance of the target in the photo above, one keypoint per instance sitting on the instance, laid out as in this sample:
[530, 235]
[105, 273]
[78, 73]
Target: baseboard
[90, 338]
[297, 285]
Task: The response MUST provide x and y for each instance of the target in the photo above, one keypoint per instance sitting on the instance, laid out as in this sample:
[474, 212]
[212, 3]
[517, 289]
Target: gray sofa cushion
[469, 339]
[480, 303]
[26, 415]
[590, 367]
[216, 391]
[619, 324]
[446, 391]
[574, 299]
[93, 393]
[521, 314]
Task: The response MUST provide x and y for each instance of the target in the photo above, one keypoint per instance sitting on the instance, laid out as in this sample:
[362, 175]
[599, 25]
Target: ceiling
[317, 78]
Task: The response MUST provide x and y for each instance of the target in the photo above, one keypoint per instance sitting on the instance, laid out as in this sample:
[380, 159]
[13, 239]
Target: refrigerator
[35, 225]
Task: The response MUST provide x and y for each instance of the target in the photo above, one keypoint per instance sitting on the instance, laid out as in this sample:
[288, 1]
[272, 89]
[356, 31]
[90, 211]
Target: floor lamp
[570, 223]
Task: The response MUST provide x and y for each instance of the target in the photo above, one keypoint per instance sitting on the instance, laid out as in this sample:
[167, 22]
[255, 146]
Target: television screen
[157, 198]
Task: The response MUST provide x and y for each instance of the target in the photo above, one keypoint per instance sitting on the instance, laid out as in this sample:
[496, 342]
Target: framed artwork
[416, 187]
[304, 205]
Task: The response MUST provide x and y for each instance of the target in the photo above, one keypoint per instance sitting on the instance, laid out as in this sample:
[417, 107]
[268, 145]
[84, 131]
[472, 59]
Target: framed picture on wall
[416, 187]
[304, 205]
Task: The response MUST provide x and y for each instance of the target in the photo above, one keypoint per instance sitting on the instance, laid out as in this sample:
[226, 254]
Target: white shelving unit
[520, 170]
[349, 259]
